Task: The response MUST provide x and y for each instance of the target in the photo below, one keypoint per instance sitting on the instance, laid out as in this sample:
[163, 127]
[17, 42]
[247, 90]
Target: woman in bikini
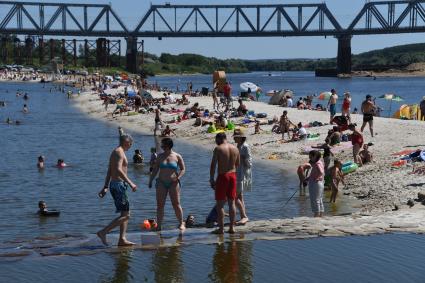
[168, 164]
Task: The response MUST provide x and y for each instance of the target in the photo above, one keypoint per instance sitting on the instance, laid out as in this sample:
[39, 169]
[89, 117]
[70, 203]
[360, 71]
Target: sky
[131, 12]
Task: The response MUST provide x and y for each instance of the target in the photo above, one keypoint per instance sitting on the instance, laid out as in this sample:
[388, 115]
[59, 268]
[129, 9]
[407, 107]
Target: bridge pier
[343, 64]
[3, 50]
[17, 51]
[101, 52]
[131, 55]
[29, 46]
[51, 49]
[41, 51]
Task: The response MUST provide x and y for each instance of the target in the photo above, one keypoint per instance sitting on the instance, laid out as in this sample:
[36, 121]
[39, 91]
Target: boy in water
[154, 156]
[336, 177]
[40, 162]
[137, 157]
[42, 206]
[302, 172]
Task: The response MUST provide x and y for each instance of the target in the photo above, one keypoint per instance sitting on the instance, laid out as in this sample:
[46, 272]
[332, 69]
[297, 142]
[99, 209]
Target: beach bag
[261, 115]
[211, 129]
[230, 125]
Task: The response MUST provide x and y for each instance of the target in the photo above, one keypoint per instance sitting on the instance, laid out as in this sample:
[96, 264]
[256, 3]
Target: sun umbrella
[247, 85]
[391, 97]
[325, 95]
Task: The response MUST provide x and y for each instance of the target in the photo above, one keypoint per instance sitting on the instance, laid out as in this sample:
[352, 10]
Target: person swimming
[43, 211]
[61, 163]
[40, 162]
[138, 157]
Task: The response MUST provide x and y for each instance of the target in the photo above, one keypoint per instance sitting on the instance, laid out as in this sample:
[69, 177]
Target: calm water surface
[56, 130]
[305, 83]
[388, 258]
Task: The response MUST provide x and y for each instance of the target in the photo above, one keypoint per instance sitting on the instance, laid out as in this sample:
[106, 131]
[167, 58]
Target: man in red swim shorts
[226, 159]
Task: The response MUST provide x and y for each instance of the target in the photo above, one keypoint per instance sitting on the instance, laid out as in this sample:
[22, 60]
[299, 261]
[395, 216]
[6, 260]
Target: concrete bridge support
[52, 52]
[344, 54]
[41, 51]
[3, 50]
[17, 54]
[131, 55]
[29, 46]
[101, 52]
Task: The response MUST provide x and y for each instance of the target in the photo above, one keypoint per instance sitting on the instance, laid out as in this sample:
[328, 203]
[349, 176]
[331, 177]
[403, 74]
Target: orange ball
[146, 225]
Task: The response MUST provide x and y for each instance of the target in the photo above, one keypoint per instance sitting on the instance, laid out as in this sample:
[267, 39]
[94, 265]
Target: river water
[57, 130]
[305, 83]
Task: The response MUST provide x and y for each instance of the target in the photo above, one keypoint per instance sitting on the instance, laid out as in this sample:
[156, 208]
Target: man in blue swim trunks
[118, 183]
[332, 104]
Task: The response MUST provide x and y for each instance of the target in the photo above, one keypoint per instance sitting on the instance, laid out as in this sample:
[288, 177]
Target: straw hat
[239, 133]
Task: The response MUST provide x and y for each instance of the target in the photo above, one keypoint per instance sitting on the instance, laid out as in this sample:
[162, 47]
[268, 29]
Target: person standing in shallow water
[171, 168]
[118, 182]
[226, 159]
[315, 183]
[243, 172]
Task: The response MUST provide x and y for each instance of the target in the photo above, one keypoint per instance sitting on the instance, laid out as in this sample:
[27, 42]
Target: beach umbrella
[325, 95]
[247, 85]
[391, 97]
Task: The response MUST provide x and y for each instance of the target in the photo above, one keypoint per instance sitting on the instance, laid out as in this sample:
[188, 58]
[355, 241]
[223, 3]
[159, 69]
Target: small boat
[272, 92]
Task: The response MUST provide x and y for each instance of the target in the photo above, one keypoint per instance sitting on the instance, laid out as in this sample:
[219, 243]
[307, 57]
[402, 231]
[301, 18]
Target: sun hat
[239, 133]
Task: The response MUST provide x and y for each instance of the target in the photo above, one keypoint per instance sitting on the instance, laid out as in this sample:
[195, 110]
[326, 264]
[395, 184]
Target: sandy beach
[379, 186]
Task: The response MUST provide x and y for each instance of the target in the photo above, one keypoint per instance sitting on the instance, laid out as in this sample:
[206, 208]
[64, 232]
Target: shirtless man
[158, 121]
[368, 110]
[118, 182]
[226, 158]
[332, 104]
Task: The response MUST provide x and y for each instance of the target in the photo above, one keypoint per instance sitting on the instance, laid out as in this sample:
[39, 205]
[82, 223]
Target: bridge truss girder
[383, 17]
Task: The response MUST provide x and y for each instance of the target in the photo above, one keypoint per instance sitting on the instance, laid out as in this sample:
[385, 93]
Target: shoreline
[379, 186]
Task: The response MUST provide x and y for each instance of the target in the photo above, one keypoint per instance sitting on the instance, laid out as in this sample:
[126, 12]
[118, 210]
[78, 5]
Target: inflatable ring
[50, 213]
[350, 168]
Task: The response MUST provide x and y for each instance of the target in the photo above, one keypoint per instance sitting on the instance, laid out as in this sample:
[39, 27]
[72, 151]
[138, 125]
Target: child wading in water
[302, 172]
[336, 177]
